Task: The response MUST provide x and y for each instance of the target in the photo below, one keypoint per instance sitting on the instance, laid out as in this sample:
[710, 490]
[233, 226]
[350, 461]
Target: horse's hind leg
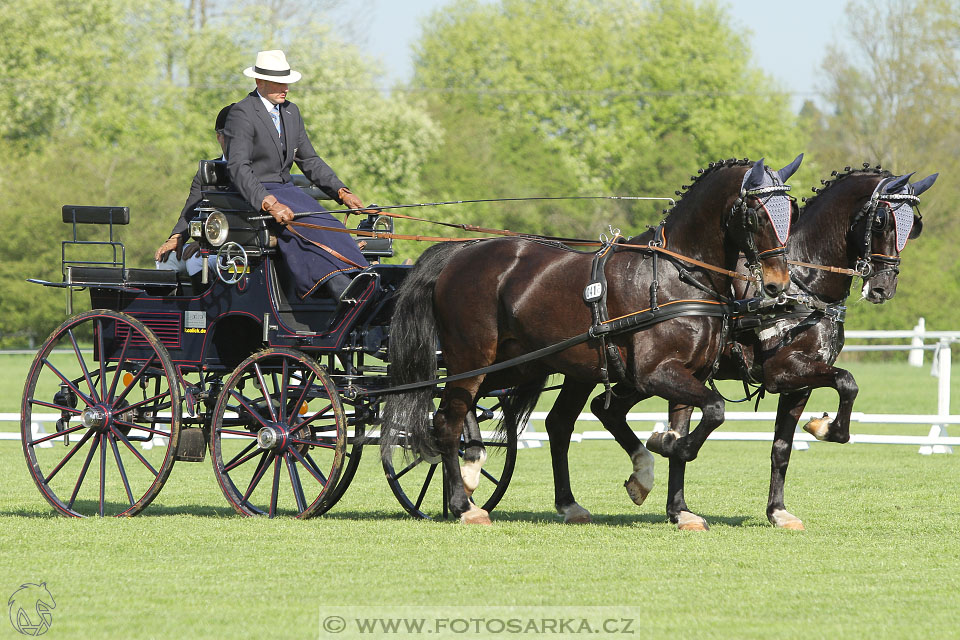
[560, 423]
[448, 425]
[474, 453]
[614, 419]
[789, 408]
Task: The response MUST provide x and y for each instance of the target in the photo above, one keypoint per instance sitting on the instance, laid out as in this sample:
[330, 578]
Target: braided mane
[713, 167]
[838, 176]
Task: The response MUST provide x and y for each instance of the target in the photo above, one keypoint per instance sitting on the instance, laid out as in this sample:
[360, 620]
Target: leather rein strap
[514, 234]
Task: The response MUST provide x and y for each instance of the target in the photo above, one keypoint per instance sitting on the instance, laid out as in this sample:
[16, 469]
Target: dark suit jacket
[255, 156]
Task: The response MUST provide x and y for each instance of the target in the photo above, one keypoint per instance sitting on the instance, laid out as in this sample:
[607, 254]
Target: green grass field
[879, 557]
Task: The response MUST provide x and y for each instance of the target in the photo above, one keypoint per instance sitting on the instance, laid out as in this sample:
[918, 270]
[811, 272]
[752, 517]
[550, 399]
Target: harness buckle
[863, 267]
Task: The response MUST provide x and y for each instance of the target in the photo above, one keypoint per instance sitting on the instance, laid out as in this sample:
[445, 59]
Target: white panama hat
[272, 65]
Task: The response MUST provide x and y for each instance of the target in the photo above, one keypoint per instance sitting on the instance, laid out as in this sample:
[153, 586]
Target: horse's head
[881, 230]
[759, 223]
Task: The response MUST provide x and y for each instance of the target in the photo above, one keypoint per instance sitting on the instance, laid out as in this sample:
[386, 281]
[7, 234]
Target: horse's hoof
[475, 515]
[662, 442]
[783, 519]
[637, 492]
[687, 521]
[818, 427]
[574, 514]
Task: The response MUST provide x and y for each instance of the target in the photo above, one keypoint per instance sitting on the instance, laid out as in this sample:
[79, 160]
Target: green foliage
[620, 97]
[893, 92]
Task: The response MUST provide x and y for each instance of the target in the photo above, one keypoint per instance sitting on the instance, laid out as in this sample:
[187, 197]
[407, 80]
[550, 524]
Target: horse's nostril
[772, 290]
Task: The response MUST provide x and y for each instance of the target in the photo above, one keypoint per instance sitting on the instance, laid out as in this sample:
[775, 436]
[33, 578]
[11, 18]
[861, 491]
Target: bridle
[878, 216]
[743, 222]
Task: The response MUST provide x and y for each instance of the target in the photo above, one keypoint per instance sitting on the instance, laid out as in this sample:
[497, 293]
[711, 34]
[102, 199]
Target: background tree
[892, 92]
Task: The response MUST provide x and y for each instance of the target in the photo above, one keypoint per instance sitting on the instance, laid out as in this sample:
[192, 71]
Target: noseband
[877, 217]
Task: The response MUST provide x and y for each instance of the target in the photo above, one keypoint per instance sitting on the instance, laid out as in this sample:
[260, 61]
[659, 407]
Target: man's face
[275, 92]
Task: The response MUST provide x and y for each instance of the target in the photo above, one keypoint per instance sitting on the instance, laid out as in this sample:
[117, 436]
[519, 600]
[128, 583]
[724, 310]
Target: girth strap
[595, 295]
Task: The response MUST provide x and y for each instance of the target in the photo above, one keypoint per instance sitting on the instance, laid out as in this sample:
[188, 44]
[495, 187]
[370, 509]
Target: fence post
[942, 358]
[915, 359]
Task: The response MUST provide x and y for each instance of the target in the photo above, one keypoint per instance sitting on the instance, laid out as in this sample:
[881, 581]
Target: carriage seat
[153, 281]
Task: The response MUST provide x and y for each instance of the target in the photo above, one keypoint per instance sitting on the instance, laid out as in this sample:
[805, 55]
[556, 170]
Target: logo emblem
[30, 607]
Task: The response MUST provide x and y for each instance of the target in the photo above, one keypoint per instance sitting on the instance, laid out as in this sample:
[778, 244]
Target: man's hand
[349, 199]
[280, 212]
[171, 244]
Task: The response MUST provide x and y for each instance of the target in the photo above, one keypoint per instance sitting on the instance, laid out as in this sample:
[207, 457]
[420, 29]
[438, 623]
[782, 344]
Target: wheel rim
[278, 436]
[120, 416]
[418, 483]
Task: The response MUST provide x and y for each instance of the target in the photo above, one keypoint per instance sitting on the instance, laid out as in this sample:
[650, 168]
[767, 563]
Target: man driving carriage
[265, 135]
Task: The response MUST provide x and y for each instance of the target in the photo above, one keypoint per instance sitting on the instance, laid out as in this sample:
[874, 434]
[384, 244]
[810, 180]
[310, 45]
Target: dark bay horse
[859, 222]
[500, 299]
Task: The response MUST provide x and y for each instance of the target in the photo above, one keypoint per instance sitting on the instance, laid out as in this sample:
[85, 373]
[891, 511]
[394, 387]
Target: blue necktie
[275, 114]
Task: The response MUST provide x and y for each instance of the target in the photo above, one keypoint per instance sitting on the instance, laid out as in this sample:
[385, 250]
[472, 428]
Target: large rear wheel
[417, 482]
[278, 436]
[115, 388]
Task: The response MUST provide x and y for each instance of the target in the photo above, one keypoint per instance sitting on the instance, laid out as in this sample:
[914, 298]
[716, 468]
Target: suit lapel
[267, 122]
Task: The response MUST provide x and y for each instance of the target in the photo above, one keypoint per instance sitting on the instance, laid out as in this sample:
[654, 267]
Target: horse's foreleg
[677, 509]
[614, 419]
[789, 408]
[560, 422]
[681, 387]
[448, 425]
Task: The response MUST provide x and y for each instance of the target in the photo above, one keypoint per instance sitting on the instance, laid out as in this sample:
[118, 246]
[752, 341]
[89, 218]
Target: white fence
[937, 441]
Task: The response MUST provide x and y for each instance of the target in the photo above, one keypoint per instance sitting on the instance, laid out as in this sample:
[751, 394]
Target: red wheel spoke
[253, 412]
[103, 469]
[313, 465]
[307, 384]
[83, 472]
[137, 405]
[134, 425]
[245, 434]
[426, 485]
[50, 405]
[283, 392]
[98, 332]
[69, 455]
[264, 463]
[239, 455]
[295, 484]
[120, 361]
[83, 366]
[265, 392]
[120, 468]
[310, 466]
[54, 435]
[486, 474]
[133, 381]
[70, 385]
[237, 460]
[123, 439]
[318, 414]
[276, 486]
[311, 443]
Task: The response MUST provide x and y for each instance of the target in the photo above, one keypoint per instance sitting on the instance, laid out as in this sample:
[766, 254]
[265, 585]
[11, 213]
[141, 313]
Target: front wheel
[278, 436]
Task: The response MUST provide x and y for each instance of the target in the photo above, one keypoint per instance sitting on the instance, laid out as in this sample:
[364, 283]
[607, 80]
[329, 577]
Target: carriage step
[192, 446]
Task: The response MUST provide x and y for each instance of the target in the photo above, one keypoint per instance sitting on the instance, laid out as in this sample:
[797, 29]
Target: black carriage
[284, 392]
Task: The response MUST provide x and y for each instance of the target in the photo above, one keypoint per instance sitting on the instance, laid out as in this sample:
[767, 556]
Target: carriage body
[164, 368]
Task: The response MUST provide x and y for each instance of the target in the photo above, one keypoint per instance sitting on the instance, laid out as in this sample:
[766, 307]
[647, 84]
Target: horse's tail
[406, 416]
[517, 404]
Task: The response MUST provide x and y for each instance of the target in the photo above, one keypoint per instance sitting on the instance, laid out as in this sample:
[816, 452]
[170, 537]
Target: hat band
[271, 72]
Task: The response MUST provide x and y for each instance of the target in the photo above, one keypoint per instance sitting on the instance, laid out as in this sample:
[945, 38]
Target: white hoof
[574, 514]
[818, 427]
[783, 519]
[640, 483]
[470, 473]
[475, 515]
[691, 522]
